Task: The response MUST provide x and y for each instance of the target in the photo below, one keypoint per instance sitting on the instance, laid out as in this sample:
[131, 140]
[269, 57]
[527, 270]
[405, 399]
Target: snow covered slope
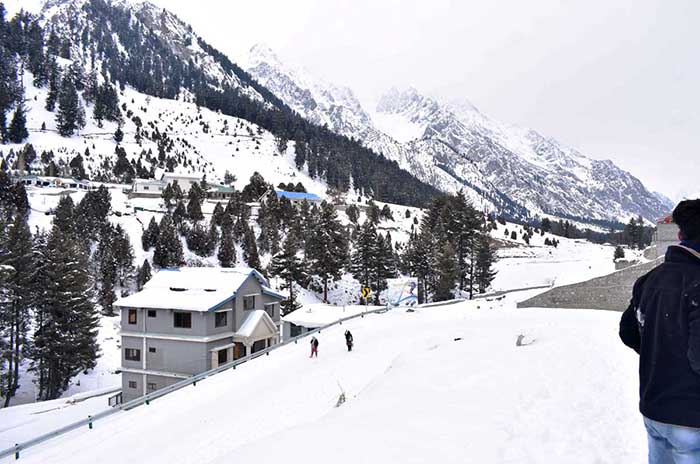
[445, 384]
[452, 145]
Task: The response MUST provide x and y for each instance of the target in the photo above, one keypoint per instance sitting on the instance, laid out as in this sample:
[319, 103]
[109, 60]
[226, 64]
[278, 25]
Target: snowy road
[414, 394]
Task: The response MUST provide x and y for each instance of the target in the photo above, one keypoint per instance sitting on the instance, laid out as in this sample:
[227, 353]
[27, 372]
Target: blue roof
[297, 195]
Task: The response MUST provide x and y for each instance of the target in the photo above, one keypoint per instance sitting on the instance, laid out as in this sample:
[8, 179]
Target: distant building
[220, 192]
[297, 197]
[184, 181]
[666, 234]
[189, 320]
[147, 188]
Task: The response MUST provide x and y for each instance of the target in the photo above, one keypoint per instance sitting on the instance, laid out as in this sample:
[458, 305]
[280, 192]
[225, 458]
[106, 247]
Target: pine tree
[144, 274]
[119, 134]
[290, 268]
[327, 249]
[150, 235]
[365, 256]
[250, 250]
[71, 115]
[447, 272]
[65, 339]
[485, 259]
[20, 257]
[168, 251]
[17, 131]
[619, 253]
[194, 204]
[227, 249]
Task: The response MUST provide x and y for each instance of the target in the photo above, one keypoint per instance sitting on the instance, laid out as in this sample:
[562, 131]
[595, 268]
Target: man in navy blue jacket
[662, 324]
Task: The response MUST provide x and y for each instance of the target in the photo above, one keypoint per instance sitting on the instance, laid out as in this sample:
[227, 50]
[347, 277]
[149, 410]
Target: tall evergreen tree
[150, 235]
[447, 272]
[290, 268]
[168, 252]
[143, 275]
[227, 248]
[250, 250]
[65, 337]
[17, 131]
[71, 114]
[19, 256]
[327, 247]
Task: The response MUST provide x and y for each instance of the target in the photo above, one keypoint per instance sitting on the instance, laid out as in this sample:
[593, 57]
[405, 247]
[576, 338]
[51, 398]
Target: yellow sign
[366, 292]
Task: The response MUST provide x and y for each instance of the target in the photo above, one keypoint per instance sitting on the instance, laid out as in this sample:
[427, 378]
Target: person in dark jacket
[348, 340]
[662, 324]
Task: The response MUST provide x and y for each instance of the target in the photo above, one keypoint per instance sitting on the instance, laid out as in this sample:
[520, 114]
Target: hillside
[100, 45]
[415, 386]
[452, 145]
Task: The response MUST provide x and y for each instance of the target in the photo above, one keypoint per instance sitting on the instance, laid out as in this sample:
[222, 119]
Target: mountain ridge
[535, 172]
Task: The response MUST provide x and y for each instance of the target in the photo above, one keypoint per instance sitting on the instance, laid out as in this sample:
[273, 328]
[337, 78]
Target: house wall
[210, 320]
[164, 322]
[129, 394]
[177, 356]
[252, 286]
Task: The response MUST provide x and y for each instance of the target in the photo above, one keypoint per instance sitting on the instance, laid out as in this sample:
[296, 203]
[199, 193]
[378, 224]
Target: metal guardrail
[146, 399]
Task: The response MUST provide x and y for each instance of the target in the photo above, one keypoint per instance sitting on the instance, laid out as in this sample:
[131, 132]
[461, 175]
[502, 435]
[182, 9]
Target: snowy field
[444, 384]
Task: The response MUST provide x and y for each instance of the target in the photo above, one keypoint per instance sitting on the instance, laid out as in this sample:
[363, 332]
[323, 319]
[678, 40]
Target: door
[238, 350]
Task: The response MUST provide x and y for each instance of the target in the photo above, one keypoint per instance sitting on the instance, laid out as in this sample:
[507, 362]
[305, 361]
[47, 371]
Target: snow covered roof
[175, 175]
[319, 315]
[297, 195]
[251, 327]
[193, 288]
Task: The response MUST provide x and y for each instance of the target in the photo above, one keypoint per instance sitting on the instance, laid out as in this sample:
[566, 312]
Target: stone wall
[610, 292]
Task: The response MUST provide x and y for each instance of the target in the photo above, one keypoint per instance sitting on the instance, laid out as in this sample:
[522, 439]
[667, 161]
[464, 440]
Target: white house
[184, 181]
[189, 320]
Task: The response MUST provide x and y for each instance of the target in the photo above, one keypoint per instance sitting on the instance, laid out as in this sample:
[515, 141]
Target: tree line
[53, 284]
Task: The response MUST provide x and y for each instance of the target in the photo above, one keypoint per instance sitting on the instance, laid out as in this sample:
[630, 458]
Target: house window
[132, 316]
[248, 303]
[132, 384]
[222, 356]
[132, 354]
[182, 320]
[152, 386]
[145, 187]
[270, 309]
[151, 313]
[151, 349]
[220, 319]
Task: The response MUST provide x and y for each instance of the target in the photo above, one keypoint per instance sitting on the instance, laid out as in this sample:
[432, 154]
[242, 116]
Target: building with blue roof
[297, 197]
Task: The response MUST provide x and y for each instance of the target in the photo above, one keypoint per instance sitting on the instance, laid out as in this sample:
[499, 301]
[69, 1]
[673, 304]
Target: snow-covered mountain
[337, 108]
[148, 53]
[452, 145]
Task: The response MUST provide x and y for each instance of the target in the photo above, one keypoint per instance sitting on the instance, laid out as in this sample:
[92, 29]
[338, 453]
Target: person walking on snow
[314, 347]
[662, 324]
[348, 340]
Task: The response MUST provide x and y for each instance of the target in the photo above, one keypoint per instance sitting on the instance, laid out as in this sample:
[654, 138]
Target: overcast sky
[616, 79]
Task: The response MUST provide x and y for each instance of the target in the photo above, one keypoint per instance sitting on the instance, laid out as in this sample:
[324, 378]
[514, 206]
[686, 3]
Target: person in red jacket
[314, 347]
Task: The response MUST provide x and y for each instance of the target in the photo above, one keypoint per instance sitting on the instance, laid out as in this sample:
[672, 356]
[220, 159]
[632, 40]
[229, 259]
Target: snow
[251, 322]
[29, 420]
[398, 126]
[443, 384]
[190, 288]
[319, 315]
